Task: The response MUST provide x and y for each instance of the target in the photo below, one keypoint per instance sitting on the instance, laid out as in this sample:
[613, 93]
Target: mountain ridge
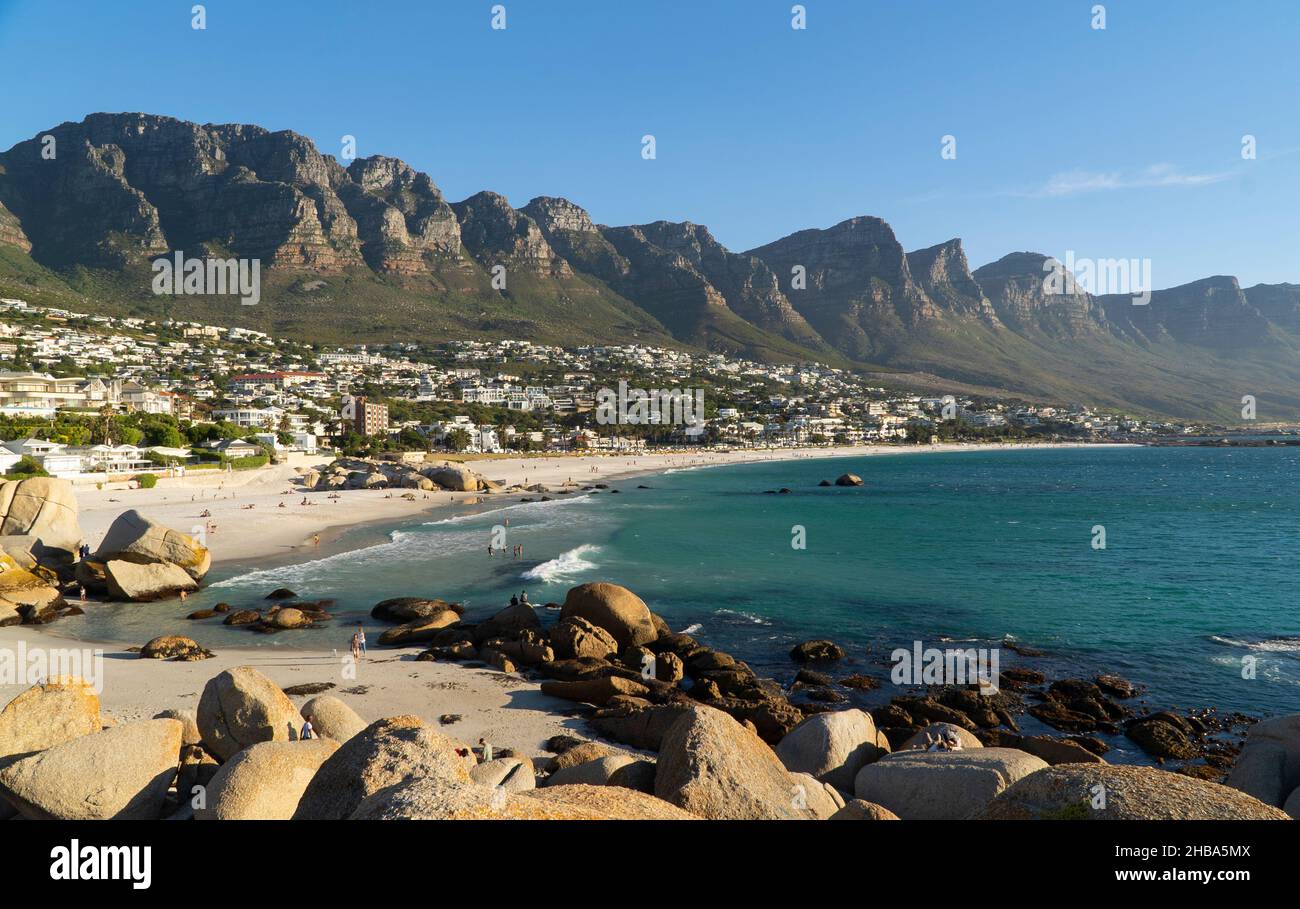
[377, 245]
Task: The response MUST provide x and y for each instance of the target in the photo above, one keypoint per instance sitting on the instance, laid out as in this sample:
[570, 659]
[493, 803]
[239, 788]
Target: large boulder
[45, 509]
[575, 637]
[1260, 771]
[134, 538]
[613, 802]
[858, 810]
[26, 593]
[848, 479]
[1283, 731]
[264, 782]
[241, 707]
[48, 715]
[332, 718]
[418, 630]
[942, 785]
[508, 624]
[591, 773]
[137, 582]
[174, 647]
[1109, 792]
[456, 477]
[831, 746]
[595, 691]
[514, 774]
[616, 609]
[408, 609]
[388, 753]
[715, 768]
[941, 732]
[120, 773]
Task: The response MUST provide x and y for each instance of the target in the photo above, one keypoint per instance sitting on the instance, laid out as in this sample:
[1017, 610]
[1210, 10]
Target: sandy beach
[251, 526]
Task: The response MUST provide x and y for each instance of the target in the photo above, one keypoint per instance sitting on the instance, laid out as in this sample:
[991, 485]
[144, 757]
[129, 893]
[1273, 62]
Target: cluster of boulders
[40, 543]
[364, 473]
[285, 613]
[241, 755]
[141, 560]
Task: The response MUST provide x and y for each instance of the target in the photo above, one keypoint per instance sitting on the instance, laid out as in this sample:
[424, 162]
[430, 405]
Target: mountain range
[372, 251]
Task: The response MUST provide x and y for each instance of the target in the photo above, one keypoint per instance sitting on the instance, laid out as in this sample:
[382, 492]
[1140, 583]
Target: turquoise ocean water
[1201, 566]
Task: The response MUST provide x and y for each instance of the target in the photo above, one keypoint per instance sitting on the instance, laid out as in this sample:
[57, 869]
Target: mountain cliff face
[377, 248]
[945, 277]
[1015, 287]
[851, 282]
[1212, 313]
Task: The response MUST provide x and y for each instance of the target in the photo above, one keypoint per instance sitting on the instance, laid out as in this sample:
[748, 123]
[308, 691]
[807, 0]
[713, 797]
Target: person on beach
[487, 751]
[84, 551]
[315, 539]
[356, 646]
[308, 732]
[184, 595]
[361, 638]
[490, 550]
[82, 591]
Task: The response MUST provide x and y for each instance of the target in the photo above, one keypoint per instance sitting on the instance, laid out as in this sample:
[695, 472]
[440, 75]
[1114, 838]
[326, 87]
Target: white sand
[506, 710]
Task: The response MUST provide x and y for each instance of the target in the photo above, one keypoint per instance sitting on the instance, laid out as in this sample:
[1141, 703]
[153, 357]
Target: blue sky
[1123, 142]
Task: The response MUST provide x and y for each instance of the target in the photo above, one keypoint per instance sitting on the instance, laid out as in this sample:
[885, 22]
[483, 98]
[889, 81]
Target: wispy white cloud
[1076, 182]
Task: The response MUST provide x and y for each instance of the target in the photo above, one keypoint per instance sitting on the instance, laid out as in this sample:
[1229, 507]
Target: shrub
[147, 480]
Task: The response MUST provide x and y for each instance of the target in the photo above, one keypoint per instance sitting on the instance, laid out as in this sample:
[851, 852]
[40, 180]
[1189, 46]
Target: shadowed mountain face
[85, 207]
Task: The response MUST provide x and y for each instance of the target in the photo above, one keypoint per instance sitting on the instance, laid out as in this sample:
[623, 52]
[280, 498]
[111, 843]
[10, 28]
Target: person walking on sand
[361, 638]
[356, 647]
[308, 732]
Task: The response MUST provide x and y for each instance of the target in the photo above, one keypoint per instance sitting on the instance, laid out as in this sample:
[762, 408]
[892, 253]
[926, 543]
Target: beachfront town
[202, 395]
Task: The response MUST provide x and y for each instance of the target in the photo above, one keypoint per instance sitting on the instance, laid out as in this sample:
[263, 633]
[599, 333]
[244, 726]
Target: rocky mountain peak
[553, 213]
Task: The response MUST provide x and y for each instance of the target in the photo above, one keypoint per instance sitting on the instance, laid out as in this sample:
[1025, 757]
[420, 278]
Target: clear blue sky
[1117, 143]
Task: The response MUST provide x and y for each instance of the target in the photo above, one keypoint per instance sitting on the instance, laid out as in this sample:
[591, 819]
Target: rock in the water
[712, 767]
[848, 479]
[120, 773]
[1070, 792]
[332, 718]
[408, 609]
[616, 609]
[942, 785]
[241, 707]
[817, 652]
[832, 746]
[1163, 735]
[174, 647]
[134, 538]
[858, 810]
[264, 782]
[389, 753]
[44, 716]
[138, 583]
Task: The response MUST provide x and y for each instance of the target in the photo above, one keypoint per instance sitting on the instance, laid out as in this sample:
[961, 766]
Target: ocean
[1198, 575]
